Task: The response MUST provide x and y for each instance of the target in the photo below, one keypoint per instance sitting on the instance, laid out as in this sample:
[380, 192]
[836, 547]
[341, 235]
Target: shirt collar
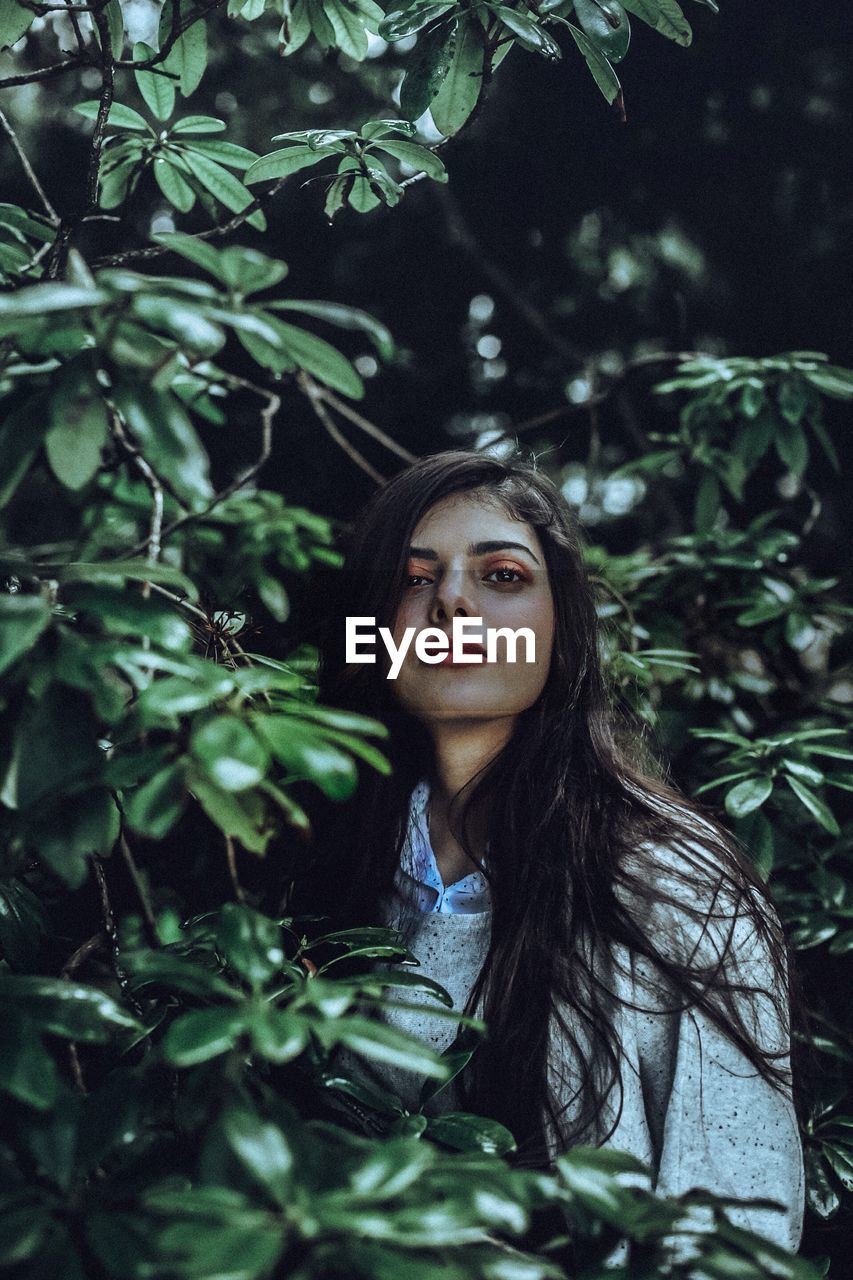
[419, 874]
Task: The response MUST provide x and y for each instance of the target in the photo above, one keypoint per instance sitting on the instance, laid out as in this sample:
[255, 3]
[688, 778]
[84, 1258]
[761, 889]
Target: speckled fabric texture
[693, 1107]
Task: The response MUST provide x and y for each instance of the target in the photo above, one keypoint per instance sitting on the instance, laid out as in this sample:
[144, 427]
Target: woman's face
[468, 559]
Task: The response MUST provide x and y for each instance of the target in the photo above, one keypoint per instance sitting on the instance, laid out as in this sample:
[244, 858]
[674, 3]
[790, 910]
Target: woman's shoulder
[690, 893]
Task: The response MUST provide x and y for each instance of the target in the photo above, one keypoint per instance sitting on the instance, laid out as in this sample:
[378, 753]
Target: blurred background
[527, 296]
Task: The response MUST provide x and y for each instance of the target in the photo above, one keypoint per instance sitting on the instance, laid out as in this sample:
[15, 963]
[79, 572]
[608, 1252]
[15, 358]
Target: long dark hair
[591, 855]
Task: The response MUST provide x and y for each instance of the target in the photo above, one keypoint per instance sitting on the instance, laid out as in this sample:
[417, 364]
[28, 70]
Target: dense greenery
[172, 1107]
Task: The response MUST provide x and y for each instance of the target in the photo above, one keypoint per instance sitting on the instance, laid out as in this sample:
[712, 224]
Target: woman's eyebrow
[475, 549]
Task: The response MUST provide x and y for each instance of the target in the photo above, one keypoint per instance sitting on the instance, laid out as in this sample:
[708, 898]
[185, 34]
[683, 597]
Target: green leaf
[529, 33]
[197, 124]
[231, 754]
[262, 1149]
[815, 806]
[23, 925]
[427, 67]
[401, 23]
[122, 612]
[606, 24]
[792, 446]
[27, 1070]
[21, 437]
[173, 184]
[832, 381]
[279, 1035]
[800, 631]
[174, 972]
[154, 808]
[119, 117]
[239, 815]
[381, 1043]
[463, 83]
[115, 22]
[117, 571]
[462, 1132]
[221, 184]
[22, 620]
[157, 89]
[198, 251]
[79, 429]
[78, 827]
[306, 754]
[280, 164]
[349, 29]
[188, 58]
[602, 72]
[319, 358]
[65, 1009]
[227, 153]
[189, 323]
[36, 768]
[15, 21]
[201, 1035]
[251, 943]
[344, 317]
[665, 16]
[413, 154]
[748, 795]
[164, 432]
[39, 299]
[707, 503]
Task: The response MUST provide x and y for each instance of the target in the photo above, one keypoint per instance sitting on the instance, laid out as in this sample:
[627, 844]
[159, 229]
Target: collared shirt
[418, 878]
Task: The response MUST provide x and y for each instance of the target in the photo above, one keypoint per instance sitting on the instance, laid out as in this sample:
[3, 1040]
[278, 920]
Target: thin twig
[231, 856]
[177, 30]
[212, 233]
[268, 414]
[88, 948]
[315, 399]
[460, 233]
[71, 10]
[29, 170]
[68, 226]
[44, 73]
[153, 542]
[592, 402]
[370, 428]
[141, 892]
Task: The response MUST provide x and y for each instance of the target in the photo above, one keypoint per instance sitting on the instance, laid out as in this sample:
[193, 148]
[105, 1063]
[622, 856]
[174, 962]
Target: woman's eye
[415, 579]
[515, 575]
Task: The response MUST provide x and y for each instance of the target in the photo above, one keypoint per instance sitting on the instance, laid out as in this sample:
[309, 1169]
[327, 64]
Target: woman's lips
[469, 648]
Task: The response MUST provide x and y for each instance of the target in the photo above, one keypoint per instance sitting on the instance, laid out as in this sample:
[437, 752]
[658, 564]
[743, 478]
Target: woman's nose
[452, 599]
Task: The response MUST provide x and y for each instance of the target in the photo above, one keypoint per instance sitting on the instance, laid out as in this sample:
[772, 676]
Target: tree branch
[141, 891]
[268, 414]
[310, 388]
[29, 170]
[153, 542]
[45, 73]
[177, 30]
[213, 233]
[231, 858]
[59, 250]
[364, 425]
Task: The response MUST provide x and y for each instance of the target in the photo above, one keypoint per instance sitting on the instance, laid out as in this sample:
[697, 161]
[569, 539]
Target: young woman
[622, 951]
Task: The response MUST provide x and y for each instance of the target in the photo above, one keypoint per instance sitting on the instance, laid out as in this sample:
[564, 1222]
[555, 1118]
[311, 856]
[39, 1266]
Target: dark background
[717, 218]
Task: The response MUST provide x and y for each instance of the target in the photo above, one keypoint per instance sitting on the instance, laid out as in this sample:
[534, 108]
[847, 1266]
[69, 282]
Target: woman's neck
[462, 749]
